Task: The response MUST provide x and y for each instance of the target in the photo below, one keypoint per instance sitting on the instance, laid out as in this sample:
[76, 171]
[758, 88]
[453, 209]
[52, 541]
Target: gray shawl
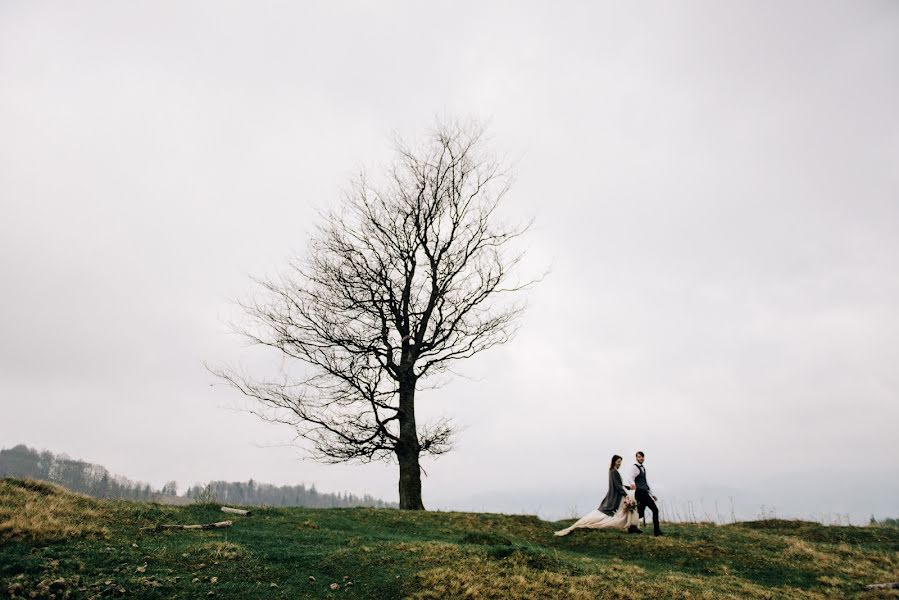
[616, 492]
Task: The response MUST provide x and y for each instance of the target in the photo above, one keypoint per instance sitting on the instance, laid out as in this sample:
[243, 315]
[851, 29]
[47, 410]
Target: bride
[617, 511]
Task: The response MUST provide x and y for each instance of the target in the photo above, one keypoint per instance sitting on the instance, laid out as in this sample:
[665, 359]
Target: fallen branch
[204, 526]
[236, 511]
[883, 586]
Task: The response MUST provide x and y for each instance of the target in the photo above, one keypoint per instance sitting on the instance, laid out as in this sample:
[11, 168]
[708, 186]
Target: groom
[644, 495]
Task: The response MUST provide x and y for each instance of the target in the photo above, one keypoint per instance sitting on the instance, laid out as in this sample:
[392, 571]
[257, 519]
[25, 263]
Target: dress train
[623, 518]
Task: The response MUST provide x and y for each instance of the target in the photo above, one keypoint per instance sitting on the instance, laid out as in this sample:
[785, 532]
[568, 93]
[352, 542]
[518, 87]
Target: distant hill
[95, 480]
[75, 475]
[59, 545]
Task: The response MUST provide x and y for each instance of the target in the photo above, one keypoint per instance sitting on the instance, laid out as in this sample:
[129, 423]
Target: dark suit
[644, 499]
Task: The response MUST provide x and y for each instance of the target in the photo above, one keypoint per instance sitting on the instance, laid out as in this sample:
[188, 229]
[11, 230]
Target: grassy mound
[44, 512]
[382, 553]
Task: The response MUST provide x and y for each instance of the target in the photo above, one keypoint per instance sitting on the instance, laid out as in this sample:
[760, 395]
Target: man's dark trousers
[644, 501]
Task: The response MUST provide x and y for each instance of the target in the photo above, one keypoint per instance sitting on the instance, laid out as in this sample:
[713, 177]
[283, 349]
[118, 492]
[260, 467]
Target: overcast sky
[715, 187]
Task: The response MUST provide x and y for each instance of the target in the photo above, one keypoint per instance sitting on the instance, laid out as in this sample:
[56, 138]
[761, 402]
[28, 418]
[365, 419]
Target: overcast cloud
[715, 187]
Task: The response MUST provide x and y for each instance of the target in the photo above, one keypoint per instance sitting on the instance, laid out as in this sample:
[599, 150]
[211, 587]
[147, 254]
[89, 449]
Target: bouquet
[630, 505]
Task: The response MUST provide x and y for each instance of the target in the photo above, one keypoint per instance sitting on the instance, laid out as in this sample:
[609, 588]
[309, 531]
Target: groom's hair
[640, 453]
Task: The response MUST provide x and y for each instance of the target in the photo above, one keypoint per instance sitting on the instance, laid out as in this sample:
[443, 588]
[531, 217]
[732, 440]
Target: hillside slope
[54, 544]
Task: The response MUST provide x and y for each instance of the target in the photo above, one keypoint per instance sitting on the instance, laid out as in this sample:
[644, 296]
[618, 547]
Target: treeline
[97, 481]
[883, 522]
[257, 494]
[75, 475]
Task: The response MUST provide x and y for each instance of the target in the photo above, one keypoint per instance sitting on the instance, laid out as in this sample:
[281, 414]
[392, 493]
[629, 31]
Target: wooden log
[236, 511]
[203, 526]
[883, 586]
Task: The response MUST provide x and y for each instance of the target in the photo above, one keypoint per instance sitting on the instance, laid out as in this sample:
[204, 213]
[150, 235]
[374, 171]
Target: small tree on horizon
[399, 282]
[170, 489]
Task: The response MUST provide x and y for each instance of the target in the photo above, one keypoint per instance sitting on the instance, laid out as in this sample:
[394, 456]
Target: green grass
[59, 545]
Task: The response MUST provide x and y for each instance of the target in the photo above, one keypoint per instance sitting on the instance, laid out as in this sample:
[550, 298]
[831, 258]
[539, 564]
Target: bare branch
[399, 281]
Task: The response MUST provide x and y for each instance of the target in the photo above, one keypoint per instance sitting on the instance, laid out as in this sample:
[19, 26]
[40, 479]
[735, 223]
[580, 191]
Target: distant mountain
[97, 481]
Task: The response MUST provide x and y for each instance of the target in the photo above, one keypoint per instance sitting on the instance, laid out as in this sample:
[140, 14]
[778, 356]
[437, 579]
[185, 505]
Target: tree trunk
[236, 511]
[883, 586]
[407, 450]
[218, 525]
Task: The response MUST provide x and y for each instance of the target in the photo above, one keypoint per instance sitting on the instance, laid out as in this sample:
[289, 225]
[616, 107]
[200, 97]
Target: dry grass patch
[479, 579]
[802, 550]
[842, 560]
[217, 550]
[516, 577]
[45, 512]
[430, 552]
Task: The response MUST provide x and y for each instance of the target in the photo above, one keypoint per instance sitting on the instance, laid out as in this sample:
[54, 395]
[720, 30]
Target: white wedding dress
[597, 519]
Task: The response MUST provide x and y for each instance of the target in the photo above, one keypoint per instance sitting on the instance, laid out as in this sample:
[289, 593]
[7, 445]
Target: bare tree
[400, 281]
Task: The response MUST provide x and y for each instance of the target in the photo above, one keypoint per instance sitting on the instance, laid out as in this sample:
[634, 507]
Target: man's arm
[631, 476]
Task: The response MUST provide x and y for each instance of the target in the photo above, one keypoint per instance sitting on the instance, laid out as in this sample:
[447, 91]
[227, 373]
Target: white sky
[715, 187]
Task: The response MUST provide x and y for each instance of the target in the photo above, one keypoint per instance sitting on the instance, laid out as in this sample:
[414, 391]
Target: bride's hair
[614, 458]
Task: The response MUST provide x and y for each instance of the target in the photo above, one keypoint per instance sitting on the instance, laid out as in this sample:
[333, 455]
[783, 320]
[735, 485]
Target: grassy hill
[54, 544]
